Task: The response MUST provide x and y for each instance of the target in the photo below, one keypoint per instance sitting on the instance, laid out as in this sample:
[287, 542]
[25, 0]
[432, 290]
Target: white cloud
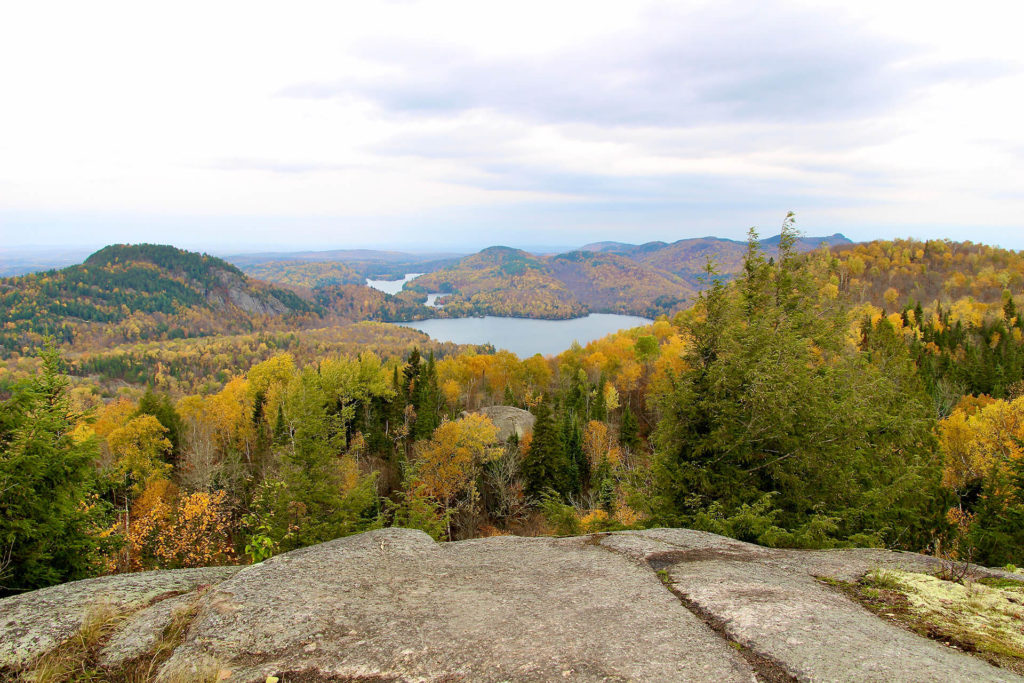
[541, 121]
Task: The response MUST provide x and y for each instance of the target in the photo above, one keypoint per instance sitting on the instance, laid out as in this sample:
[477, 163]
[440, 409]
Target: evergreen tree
[572, 445]
[45, 484]
[426, 400]
[410, 374]
[773, 403]
[546, 465]
[629, 430]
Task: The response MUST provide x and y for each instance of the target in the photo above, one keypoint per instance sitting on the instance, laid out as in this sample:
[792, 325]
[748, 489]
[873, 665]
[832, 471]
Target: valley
[853, 395]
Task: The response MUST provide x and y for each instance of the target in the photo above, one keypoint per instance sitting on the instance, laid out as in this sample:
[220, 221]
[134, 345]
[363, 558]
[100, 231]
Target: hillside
[145, 292]
[649, 279]
[504, 281]
[688, 258]
[898, 273]
[609, 283]
[136, 292]
[501, 281]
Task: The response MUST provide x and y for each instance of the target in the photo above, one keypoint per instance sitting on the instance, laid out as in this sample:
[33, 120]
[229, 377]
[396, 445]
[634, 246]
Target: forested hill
[649, 279]
[687, 258]
[905, 272]
[505, 281]
[140, 292]
[502, 281]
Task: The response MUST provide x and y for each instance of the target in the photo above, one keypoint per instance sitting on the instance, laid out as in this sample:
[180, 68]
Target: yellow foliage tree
[974, 439]
[448, 464]
[139, 448]
[596, 442]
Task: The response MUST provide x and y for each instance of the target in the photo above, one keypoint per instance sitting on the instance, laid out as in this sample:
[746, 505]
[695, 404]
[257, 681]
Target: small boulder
[509, 420]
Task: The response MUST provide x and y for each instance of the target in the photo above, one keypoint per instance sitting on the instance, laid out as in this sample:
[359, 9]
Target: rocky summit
[393, 605]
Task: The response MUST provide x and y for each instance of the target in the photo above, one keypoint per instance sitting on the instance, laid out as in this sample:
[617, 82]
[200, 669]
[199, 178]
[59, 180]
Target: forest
[866, 395]
[144, 293]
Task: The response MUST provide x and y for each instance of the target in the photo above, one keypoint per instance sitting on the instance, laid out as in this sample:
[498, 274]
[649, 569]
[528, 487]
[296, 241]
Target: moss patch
[985, 617]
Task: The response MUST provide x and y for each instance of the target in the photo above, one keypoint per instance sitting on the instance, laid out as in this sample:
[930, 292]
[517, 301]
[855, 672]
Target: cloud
[735, 62]
[280, 166]
[485, 122]
[690, 189]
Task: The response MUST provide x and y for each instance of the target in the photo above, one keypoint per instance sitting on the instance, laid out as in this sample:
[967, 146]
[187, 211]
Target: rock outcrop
[509, 420]
[663, 604]
[34, 623]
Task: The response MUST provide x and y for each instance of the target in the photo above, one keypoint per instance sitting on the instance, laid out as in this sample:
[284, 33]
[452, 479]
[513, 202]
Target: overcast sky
[249, 125]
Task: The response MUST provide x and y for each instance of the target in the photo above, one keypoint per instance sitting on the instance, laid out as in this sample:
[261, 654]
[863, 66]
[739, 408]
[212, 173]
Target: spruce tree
[576, 459]
[545, 466]
[774, 403]
[629, 430]
[426, 400]
[46, 479]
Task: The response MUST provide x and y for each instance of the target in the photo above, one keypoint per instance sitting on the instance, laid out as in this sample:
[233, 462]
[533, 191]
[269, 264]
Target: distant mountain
[142, 291]
[610, 283]
[808, 243]
[805, 243]
[688, 258]
[649, 279]
[365, 263]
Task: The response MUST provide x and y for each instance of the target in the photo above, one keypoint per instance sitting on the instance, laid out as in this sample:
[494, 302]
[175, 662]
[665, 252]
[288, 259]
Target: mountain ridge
[146, 292]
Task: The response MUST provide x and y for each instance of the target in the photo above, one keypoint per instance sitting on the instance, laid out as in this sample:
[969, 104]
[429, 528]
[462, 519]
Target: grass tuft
[76, 658]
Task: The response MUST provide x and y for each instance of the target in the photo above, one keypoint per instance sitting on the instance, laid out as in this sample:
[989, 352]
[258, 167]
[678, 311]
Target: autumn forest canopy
[161, 408]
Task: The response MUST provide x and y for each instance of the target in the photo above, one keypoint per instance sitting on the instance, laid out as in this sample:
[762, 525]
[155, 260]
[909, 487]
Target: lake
[524, 336]
[391, 286]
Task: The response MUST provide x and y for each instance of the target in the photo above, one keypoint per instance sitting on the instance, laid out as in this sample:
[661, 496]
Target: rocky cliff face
[664, 604]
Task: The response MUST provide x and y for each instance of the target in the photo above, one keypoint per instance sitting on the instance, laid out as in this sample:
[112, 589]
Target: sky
[454, 125]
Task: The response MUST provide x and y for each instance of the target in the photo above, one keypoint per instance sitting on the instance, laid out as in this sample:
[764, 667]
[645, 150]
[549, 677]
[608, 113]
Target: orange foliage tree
[173, 529]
